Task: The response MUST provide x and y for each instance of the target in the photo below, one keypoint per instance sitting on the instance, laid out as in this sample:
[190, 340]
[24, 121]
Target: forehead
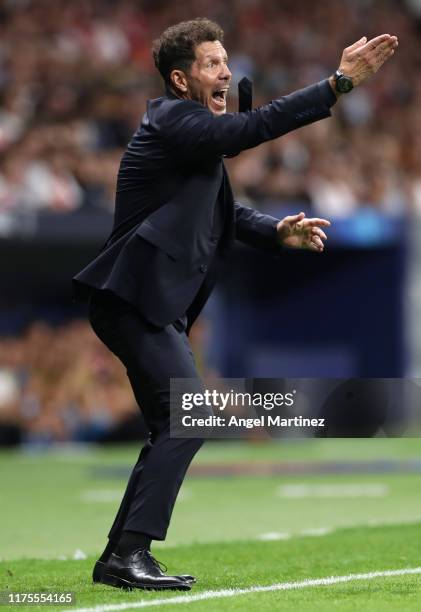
[208, 50]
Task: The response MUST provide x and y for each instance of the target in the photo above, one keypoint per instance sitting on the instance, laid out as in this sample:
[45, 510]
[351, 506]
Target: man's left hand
[297, 232]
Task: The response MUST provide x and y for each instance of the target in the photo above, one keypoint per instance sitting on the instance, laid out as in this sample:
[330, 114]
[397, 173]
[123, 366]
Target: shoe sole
[120, 583]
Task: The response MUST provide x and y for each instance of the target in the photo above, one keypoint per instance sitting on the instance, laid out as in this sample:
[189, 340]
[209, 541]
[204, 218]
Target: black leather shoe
[99, 568]
[139, 570]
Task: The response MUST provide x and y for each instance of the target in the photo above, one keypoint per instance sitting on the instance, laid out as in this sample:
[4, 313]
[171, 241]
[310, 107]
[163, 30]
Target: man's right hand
[362, 59]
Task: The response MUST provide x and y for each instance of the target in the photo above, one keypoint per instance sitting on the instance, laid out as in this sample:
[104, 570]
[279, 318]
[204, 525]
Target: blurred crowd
[75, 77]
[59, 383]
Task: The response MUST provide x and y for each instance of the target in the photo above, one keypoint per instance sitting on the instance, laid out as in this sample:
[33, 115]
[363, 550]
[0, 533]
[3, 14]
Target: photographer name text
[265, 420]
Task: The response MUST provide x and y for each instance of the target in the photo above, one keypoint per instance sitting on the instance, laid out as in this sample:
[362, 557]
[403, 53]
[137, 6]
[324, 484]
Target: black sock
[107, 551]
[131, 541]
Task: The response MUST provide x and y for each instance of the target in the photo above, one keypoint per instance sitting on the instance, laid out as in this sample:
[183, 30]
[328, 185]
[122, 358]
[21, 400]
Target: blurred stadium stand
[74, 79]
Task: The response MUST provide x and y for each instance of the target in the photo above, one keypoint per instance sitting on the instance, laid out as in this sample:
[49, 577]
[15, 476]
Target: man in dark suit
[175, 223]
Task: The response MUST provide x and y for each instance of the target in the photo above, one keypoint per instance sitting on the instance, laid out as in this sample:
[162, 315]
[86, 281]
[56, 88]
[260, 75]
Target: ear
[179, 80]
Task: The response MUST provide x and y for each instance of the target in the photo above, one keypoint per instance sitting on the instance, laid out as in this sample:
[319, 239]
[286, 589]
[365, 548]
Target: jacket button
[203, 268]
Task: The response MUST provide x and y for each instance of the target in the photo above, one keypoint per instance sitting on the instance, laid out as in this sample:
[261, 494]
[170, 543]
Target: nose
[225, 73]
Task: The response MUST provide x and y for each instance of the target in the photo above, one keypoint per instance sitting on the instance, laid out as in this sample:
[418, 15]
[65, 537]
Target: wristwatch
[343, 84]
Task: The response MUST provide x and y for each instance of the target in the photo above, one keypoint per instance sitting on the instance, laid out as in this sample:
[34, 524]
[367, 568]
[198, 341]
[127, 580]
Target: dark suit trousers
[151, 356]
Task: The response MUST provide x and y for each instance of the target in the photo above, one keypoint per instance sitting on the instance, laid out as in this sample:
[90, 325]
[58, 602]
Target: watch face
[344, 84]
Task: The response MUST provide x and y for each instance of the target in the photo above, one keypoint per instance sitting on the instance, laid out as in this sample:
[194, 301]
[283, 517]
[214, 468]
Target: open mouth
[220, 97]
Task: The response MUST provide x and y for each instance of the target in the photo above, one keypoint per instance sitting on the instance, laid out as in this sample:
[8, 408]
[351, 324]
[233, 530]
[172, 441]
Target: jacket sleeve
[191, 131]
[255, 229]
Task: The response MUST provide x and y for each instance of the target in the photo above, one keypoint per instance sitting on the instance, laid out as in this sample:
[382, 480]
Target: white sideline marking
[274, 535]
[283, 535]
[334, 490]
[317, 531]
[282, 586]
[79, 555]
[101, 495]
[106, 496]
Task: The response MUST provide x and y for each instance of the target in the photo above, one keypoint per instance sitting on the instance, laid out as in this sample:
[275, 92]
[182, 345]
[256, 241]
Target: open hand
[362, 59]
[297, 232]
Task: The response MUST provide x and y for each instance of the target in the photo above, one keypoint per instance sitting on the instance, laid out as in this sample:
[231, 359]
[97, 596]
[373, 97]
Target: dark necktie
[245, 100]
[245, 95]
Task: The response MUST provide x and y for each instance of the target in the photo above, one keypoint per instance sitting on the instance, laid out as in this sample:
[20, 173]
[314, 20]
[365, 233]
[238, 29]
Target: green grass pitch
[245, 529]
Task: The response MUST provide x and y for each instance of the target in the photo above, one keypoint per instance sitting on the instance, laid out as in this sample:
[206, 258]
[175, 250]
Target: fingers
[357, 44]
[385, 50]
[377, 46]
[317, 222]
[382, 53]
[381, 59]
[316, 247]
[295, 218]
[375, 42]
[308, 222]
[316, 231]
[316, 238]
[392, 42]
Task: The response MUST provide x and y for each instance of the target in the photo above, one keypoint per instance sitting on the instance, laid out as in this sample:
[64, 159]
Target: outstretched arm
[191, 131]
[266, 232]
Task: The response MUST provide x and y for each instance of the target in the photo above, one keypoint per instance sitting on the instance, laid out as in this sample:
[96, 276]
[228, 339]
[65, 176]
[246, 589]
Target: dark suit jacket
[164, 240]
